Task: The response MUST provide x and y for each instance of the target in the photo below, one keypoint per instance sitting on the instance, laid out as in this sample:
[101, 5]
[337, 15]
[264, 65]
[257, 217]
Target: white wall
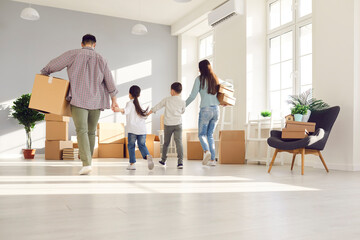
[188, 71]
[256, 93]
[149, 61]
[335, 76]
[230, 61]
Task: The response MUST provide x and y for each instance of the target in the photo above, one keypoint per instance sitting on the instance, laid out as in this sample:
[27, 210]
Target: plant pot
[298, 117]
[29, 153]
[306, 116]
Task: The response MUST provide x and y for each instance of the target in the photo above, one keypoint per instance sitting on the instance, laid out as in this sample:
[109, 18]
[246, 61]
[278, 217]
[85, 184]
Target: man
[91, 83]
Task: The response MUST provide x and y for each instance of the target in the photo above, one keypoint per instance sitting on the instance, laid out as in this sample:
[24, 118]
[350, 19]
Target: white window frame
[210, 58]
[293, 26]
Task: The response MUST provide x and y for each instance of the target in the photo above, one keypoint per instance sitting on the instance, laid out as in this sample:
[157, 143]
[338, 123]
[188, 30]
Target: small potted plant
[298, 111]
[28, 118]
[266, 114]
[306, 98]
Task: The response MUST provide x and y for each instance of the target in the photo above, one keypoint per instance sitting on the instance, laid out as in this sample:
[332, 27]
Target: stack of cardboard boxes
[226, 96]
[57, 139]
[111, 140]
[48, 95]
[297, 130]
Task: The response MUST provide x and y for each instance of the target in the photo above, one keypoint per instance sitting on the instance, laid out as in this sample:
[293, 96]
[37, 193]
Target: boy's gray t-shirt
[174, 108]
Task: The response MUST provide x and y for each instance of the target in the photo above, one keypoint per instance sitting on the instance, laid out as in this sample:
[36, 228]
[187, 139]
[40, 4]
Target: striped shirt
[90, 79]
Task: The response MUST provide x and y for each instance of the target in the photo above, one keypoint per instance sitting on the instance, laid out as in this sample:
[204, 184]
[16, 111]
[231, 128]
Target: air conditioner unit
[225, 11]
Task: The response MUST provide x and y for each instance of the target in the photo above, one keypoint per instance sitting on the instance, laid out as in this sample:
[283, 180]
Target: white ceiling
[155, 11]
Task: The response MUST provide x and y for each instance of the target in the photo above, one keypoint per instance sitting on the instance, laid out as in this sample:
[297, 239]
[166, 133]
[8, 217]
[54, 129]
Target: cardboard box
[157, 152]
[48, 95]
[226, 90]
[293, 134]
[300, 126]
[111, 133]
[194, 150]
[111, 150]
[53, 149]
[193, 145]
[96, 152]
[162, 122]
[57, 131]
[232, 147]
[226, 100]
[56, 118]
[152, 143]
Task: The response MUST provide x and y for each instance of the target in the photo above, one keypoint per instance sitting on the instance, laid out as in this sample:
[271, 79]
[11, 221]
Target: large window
[206, 47]
[289, 50]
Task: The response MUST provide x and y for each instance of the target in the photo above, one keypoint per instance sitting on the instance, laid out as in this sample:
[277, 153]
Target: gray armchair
[324, 119]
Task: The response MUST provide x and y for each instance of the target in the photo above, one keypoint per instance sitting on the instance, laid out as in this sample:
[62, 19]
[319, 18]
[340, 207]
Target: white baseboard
[339, 166]
[18, 156]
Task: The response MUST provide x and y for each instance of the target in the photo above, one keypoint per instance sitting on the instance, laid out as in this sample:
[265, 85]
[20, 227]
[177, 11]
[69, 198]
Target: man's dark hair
[88, 38]
[177, 87]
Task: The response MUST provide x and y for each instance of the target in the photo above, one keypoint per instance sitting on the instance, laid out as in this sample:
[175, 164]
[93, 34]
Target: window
[289, 51]
[206, 47]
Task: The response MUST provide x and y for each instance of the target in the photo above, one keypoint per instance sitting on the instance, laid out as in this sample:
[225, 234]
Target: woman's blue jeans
[208, 119]
[141, 140]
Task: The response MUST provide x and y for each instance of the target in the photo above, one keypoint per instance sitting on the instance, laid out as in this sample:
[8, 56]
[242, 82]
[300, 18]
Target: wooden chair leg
[302, 160]
[293, 160]
[273, 160]
[323, 162]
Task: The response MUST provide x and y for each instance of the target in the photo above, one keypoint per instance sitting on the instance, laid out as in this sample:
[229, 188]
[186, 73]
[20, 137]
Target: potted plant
[307, 99]
[28, 118]
[266, 114]
[298, 111]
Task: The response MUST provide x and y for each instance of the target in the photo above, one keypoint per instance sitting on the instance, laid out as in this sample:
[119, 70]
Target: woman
[207, 84]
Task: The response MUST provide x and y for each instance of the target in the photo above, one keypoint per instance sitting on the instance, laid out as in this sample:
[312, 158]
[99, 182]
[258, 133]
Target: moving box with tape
[49, 95]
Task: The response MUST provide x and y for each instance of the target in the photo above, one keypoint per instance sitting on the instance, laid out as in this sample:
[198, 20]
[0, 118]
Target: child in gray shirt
[174, 108]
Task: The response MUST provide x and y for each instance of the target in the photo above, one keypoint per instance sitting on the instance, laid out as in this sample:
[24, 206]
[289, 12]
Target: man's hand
[150, 112]
[114, 104]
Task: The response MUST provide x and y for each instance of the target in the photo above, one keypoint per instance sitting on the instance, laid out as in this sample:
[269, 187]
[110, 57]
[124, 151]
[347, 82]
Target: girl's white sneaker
[150, 162]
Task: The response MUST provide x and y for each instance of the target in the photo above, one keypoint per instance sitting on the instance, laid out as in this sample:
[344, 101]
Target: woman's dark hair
[208, 76]
[135, 93]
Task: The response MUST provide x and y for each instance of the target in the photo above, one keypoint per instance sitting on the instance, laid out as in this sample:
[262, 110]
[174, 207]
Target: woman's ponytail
[135, 93]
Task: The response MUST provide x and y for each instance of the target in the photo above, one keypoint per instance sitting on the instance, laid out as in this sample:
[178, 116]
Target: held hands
[149, 113]
[117, 109]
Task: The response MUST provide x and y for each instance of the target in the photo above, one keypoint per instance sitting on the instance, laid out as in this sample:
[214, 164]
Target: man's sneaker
[211, 163]
[180, 166]
[131, 167]
[150, 162]
[162, 163]
[206, 158]
[85, 170]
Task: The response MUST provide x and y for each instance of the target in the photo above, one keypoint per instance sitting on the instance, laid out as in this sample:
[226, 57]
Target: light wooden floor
[48, 200]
